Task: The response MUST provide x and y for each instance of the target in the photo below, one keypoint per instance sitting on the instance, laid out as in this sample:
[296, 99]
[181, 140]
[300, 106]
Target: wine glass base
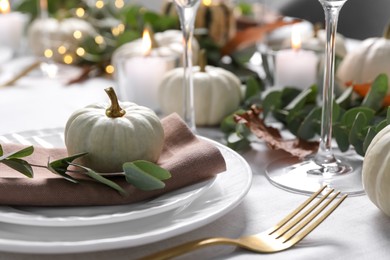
[306, 176]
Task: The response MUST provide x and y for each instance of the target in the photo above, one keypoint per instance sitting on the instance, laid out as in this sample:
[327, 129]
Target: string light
[80, 12]
[99, 39]
[99, 4]
[80, 51]
[109, 69]
[77, 34]
[119, 4]
[48, 53]
[120, 28]
[61, 49]
[68, 59]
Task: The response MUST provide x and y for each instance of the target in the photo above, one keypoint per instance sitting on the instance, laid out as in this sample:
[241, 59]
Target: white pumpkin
[51, 33]
[366, 62]
[376, 170]
[317, 43]
[167, 44]
[114, 134]
[217, 93]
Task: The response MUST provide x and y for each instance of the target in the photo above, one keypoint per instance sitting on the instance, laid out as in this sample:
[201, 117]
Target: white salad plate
[216, 199]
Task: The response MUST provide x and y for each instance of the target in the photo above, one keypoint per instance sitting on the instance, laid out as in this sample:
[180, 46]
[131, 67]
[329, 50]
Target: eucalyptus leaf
[1, 150]
[19, 165]
[355, 136]
[288, 95]
[99, 178]
[310, 125]
[237, 142]
[304, 97]
[340, 134]
[60, 166]
[349, 116]
[228, 124]
[152, 169]
[369, 136]
[141, 178]
[388, 115]
[19, 154]
[271, 102]
[344, 100]
[377, 93]
[380, 126]
[253, 88]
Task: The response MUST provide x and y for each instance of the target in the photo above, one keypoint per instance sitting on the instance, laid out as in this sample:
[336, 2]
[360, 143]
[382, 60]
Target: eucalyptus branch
[143, 175]
[355, 123]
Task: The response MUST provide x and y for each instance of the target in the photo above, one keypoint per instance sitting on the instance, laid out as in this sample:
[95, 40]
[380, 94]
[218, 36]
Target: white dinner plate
[229, 189]
[82, 216]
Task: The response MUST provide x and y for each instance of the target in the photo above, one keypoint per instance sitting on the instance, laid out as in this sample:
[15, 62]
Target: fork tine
[289, 225]
[296, 211]
[293, 234]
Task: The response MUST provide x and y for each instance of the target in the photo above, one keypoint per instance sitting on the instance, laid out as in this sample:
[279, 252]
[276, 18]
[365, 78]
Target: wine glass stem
[325, 155]
[187, 20]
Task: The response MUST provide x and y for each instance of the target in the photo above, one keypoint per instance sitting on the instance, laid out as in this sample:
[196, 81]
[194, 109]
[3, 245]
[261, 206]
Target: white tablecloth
[357, 230]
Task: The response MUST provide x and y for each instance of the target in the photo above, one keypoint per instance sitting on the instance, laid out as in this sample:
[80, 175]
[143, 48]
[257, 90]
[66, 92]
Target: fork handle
[188, 247]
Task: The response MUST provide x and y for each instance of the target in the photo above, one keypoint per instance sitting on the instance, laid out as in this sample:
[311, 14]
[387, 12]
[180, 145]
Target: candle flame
[5, 6]
[207, 2]
[296, 40]
[146, 42]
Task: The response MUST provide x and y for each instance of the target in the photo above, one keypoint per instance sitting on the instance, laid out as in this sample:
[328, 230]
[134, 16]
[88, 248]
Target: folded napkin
[188, 158]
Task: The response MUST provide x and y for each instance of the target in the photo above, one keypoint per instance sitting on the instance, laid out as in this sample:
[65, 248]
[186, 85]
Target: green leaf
[356, 137]
[99, 178]
[1, 150]
[377, 93]
[310, 125]
[344, 99]
[340, 134]
[388, 115]
[237, 142]
[145, 175]
[306, 96]
[271, 102]
[19, 154]
[60, 166]
[19, 165]
[288, 95]
[228, 124]
[350, 115]
[253, 88]
[381, 125]
[369, 136]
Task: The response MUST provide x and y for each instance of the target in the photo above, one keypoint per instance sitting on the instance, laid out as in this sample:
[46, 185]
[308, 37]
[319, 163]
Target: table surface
[357, 230]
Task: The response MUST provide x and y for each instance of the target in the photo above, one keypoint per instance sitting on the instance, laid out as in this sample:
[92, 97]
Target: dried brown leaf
[272, 136]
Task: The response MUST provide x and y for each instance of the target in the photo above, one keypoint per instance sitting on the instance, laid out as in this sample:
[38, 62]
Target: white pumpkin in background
[376, 170]
[52, 34]
[366, 62]
[164, 44]
[113, 134]
[217, 93]
[317, 43]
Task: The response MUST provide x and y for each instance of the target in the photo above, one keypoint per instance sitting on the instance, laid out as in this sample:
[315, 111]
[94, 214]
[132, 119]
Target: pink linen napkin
[188, 158]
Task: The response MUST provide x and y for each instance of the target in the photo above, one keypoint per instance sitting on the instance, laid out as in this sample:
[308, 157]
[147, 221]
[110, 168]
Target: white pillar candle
[139, 78]
[12, 26]
[296, 68]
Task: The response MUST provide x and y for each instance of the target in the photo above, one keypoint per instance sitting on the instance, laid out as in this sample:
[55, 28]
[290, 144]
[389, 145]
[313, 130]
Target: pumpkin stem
[386, 32]
[202, 60]
[114, 110]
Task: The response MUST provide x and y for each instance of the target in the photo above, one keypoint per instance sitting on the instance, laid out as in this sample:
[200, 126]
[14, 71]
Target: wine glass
[341, 172]
[187, 13]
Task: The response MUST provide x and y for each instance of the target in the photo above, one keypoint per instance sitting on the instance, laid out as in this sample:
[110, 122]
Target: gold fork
[285, 234]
